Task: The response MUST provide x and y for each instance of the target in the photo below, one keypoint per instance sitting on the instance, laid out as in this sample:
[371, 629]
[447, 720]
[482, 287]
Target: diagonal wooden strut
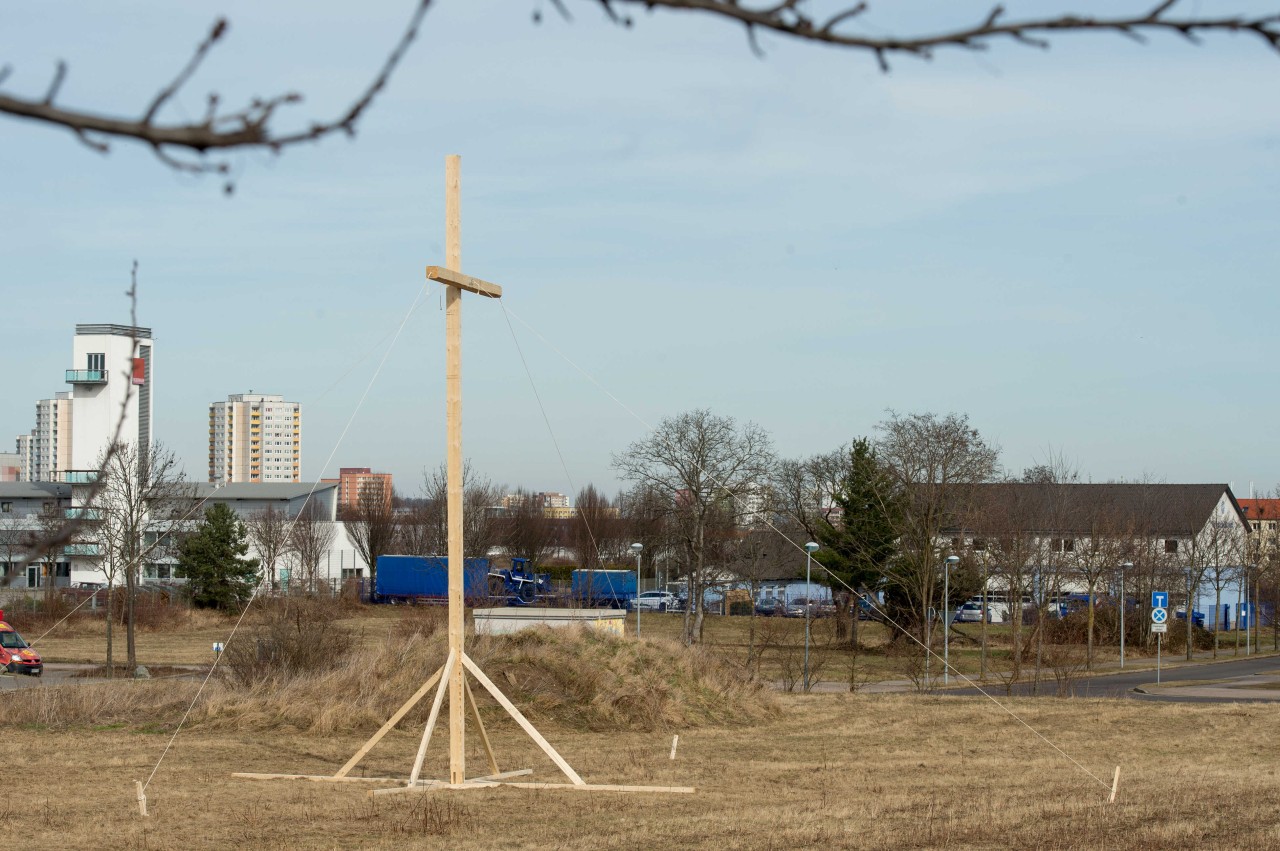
[484, 737]
[521, 720]
[431, 719]
[391, 723]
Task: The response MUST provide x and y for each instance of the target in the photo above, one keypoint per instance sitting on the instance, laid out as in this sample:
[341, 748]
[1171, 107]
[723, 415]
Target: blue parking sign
[1159, 599]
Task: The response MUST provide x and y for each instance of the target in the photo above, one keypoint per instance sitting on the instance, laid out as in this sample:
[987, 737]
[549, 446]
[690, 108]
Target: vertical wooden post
[453, 415]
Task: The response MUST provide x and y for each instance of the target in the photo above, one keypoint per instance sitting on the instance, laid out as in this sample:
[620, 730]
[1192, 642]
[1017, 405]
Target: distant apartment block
[354, 482]
[47, 450]
[255, 437]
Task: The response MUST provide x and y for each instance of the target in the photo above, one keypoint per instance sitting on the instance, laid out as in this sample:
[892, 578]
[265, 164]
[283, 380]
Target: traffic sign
[1160, 627]
[1159, 616]
[1159, 599]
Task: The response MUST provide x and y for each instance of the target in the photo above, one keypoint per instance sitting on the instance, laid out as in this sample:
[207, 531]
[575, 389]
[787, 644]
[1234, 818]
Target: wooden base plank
[318, 778]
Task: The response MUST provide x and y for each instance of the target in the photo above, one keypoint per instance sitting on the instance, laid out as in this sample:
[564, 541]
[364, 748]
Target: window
[1171, 545]
[979, 544]
[6, 507]
[98, 361]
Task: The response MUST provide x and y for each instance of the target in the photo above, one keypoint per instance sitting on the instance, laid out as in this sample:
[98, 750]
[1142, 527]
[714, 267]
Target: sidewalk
[1132, 665]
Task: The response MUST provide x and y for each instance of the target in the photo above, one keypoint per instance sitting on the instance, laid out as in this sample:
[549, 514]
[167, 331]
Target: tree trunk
[1190, 610]
[111, 667]
[131, 650]
[1088, 653]
[1217, 616]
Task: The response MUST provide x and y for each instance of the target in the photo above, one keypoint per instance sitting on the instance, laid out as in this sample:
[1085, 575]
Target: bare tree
[931, 461]
[597, 533]
[371, 523]
[419, 529]
[310, 537]
[270, 535]
[528, 532]
[708, 464]
[140, 507]
[481, 522]
[646, 513]
[184, 145]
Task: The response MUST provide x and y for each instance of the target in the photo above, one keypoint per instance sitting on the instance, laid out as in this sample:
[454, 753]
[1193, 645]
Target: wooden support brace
[315, 778]
[1115, 783]
[391, 723]
[431, 719]
[601, 787]
[142, 798]
[484, 737]
[521, 720]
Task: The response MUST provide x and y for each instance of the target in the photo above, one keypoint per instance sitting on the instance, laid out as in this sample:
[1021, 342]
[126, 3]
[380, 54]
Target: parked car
[797, 607]
[770, 606]
[971, 612]
[653, 601]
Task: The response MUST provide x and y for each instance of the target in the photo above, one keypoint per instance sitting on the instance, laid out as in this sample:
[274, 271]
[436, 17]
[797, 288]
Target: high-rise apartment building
[255, 437]
[46, 452]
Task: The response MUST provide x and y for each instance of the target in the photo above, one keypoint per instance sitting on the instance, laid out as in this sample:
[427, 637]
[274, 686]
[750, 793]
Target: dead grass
[839, 771]
[570, 679]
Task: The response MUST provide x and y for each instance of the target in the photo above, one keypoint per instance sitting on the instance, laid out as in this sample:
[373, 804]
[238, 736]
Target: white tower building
[109, 362]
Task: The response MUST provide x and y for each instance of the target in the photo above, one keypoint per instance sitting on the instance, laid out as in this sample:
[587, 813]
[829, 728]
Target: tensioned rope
[595, 546]
[888, 619]
[254, 595]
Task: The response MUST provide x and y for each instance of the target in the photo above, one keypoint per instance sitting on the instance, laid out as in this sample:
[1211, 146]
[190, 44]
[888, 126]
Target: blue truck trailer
[612, 588]
[425, 579]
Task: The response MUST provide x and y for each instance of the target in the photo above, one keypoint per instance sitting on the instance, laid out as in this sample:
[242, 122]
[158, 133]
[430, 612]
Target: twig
[790, 18]
[244, 128]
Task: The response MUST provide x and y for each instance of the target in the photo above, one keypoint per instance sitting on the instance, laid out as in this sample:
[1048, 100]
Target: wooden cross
[451, 677]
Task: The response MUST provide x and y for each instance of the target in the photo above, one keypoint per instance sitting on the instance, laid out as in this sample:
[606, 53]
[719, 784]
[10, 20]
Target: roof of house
[1261, 509]
[1085, 509]
[264, 490]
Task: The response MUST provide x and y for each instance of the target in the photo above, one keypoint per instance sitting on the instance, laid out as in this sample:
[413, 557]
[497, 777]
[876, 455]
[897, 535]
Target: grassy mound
[576, 679]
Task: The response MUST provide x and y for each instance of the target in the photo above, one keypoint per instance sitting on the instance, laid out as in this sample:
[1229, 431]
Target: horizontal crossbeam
[466, 282]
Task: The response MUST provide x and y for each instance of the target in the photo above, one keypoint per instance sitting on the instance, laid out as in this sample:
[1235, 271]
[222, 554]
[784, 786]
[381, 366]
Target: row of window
[1056, 545]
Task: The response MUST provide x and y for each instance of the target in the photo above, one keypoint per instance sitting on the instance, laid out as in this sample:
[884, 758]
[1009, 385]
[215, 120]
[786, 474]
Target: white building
[112, 375]
[255, 438]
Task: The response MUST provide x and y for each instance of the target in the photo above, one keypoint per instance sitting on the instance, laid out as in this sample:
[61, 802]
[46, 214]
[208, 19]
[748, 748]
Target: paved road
[1122, 684]
[55, 673]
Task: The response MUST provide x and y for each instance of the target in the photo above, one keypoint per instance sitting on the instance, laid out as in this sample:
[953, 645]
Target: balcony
[83, 514]
[80, 477]
[86, 376]
[81, 550]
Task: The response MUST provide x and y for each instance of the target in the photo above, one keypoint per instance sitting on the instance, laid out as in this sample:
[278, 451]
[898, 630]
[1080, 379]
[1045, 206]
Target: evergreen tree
[213, 561]
[859, 549]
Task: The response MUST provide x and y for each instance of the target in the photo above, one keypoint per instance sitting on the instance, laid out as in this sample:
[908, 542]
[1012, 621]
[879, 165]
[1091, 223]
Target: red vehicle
[16, 656]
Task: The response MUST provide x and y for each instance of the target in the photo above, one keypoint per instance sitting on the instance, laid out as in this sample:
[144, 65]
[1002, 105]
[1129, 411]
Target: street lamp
[636, 548]
[952, 561]
[1124, 604]
[809, 549]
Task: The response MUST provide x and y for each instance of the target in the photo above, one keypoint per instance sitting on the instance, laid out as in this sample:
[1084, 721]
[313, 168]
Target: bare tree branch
[790, 17]
[249, 127]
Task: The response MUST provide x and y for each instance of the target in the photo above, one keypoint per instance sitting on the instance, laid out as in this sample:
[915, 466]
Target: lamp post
[809, 550]
[951, 562]
[1124, 604]
[636, 548]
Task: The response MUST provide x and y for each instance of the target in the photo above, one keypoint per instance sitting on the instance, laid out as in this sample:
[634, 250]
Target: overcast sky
[1076, 248]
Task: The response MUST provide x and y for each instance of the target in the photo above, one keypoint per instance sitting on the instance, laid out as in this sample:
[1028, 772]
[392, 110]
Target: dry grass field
[900, 771]
[771, 771]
